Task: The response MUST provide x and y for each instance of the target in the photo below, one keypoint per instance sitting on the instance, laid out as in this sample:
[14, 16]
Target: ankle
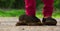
[47, 17]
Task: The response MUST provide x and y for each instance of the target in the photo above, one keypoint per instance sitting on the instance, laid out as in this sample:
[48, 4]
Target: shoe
[29, 21]
[49, 21]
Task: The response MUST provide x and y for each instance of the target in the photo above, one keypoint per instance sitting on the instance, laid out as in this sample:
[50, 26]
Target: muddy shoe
[49, 21]
[18, 24]
[28, 20]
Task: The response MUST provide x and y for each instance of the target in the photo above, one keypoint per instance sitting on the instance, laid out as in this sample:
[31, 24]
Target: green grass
[17, 13]
[56, 14]
[11, 13]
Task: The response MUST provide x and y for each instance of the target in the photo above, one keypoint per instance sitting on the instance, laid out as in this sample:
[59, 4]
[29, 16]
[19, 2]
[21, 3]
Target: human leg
[47, 12]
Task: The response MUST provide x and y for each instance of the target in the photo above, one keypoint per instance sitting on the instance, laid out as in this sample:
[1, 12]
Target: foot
[28, 20]
[49, 21]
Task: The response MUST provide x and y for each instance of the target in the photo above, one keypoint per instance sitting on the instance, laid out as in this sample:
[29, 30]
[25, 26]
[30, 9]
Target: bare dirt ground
[8, 24]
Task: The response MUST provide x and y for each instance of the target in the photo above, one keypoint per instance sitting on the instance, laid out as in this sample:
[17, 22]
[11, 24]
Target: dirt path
[8, 24]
